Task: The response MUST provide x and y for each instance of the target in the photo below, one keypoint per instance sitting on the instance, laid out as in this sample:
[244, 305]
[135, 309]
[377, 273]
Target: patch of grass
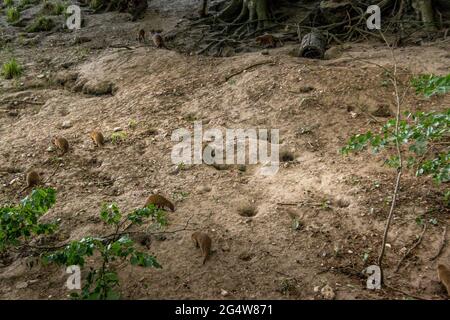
[53, 8]
[118, 137]
[25, 4]
[8, 3]
[12, 14]
[11, 69]
[41, 24]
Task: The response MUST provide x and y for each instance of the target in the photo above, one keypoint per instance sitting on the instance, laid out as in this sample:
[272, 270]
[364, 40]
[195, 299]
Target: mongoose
[203, 241]
[203, 10]
[141, 36]
[33, 179]
[159, 202]
[158, 40]
[97, 138]
[61, 144]
[268, 41]
[444, 276]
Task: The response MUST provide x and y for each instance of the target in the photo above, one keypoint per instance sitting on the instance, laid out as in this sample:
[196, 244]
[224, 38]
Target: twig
[26, 102]
[287, 203]
[441, 247]
[400, 167]
[271, 62]
[404, 292]
[149, 233]
[411, 249]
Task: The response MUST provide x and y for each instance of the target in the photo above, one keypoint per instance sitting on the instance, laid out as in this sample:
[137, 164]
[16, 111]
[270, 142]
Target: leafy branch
[20, 222]
[102, 283]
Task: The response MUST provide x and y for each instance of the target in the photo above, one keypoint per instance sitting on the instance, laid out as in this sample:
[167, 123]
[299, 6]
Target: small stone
[327, 293]
[66, 124]
[98, 88]
[174, 170]
[13, 181]
[117, 129]
[316, 289]
[223, 292]
[203, 189]
[333, 53]
[41, 76]
[51, 149]
[21, 285]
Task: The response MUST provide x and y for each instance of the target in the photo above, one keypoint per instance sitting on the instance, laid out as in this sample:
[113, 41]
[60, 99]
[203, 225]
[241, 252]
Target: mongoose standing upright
[158, 40]
[33, 179]
[159, 202]
[203, 241]
[61, 144]
[444, 277]
[141, 36]
[97, 138]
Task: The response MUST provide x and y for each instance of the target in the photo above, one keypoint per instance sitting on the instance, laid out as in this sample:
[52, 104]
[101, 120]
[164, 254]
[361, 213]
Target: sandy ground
[341, 201]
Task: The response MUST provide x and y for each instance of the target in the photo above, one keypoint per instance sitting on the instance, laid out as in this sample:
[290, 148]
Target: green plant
[8, 3]
[41, 24]
[118, 137]
[12, 14]
[11, 69]
[423, 138]
[102, 282]
[430, 85]
[418, 133]
[20, 222]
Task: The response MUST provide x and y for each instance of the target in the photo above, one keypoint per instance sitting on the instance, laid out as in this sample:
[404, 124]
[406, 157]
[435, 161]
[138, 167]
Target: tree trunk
[251, 11]
[425, 9]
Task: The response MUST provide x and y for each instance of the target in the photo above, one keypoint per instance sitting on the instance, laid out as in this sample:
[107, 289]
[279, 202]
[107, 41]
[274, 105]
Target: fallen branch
[416, 244]
[405, 293]
[271, 62]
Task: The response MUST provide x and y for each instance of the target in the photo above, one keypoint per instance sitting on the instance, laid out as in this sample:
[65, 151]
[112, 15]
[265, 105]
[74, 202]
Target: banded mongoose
[203, 241]
[61, 144]
[444, 277]
[159, 202]
[33, 179]
[158, 40]
[97, 138]
[141, 36]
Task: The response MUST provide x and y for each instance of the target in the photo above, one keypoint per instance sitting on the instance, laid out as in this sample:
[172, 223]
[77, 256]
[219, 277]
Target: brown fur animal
[159, 202]
[97, 138]
[203, 241]
[61, 144]
[268, 41]
[444, 277]
[33, 179]
[141, 36]
[158, 40]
